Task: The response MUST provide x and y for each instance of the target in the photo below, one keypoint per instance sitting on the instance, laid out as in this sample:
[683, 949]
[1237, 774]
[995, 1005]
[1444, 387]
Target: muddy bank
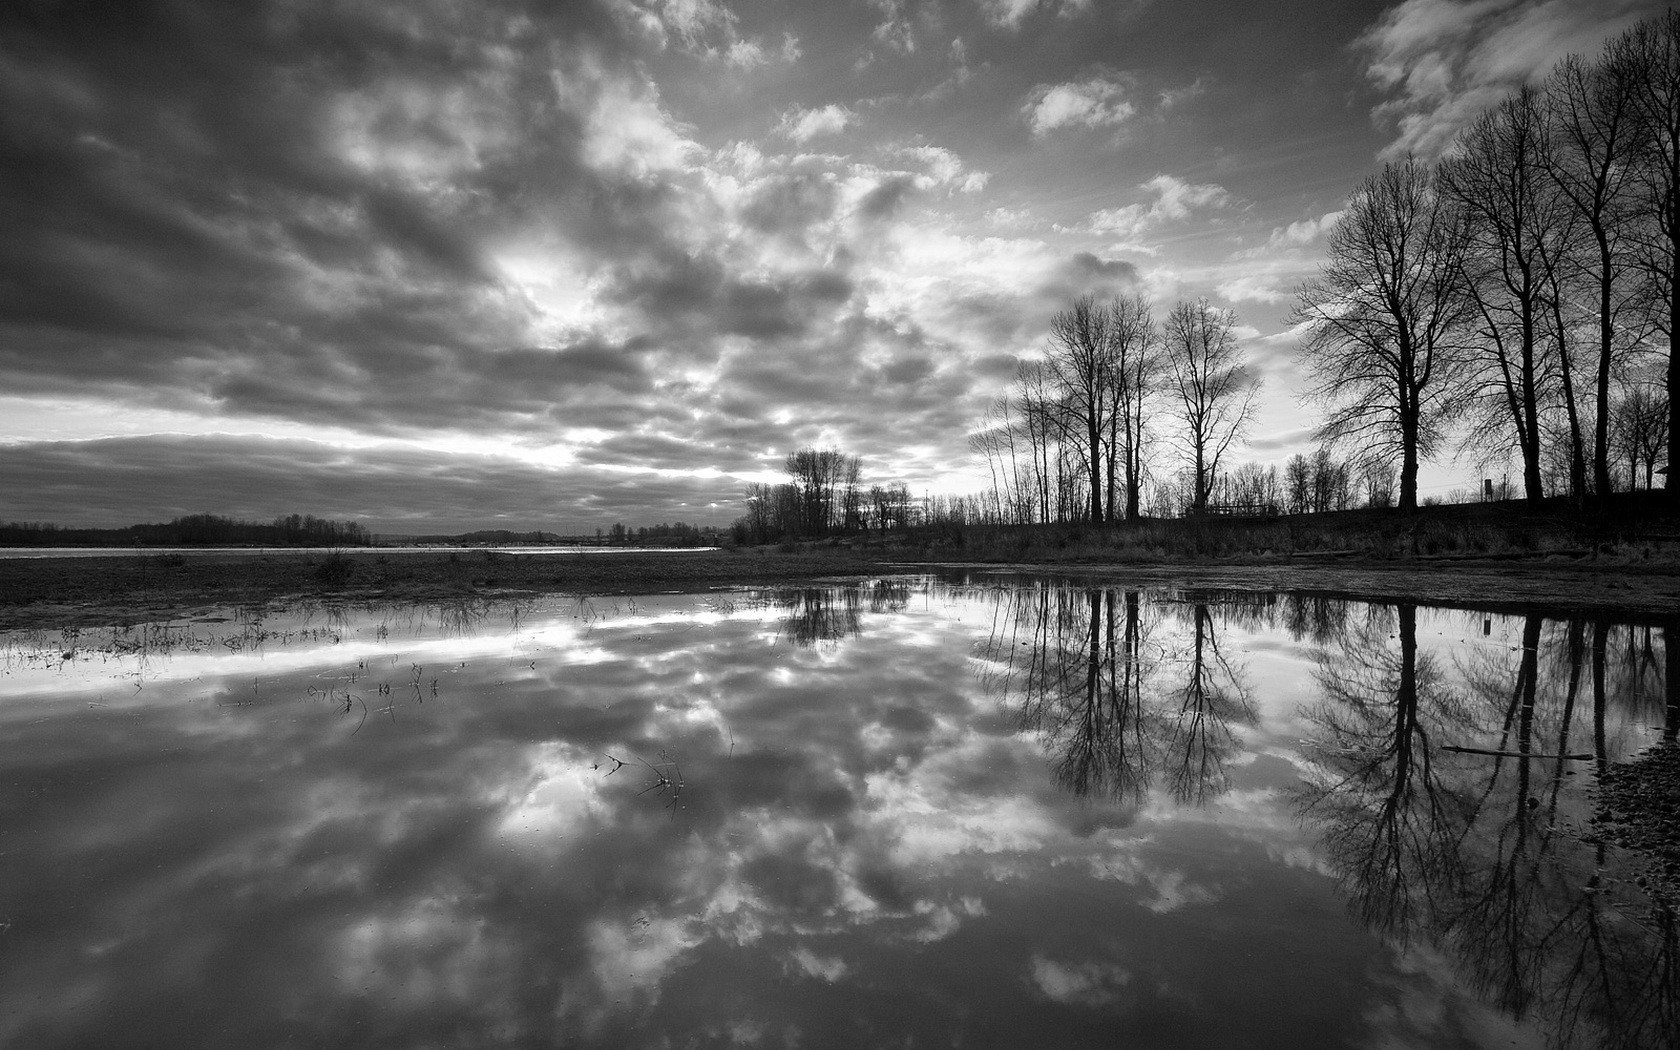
[56, 592]
[61, 592]
[1639, 809]
[1640, 593]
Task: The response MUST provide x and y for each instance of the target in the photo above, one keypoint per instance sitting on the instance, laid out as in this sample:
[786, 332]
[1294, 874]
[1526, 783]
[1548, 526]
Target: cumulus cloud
[1173, 199]
[1089, 984]
[1092, 103]
[1305, 231]
[806, 124]
[704, 28]
[1444, 62]
[1010, 14]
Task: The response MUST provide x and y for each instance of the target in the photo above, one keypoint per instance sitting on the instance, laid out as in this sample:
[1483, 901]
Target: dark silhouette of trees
[1497, 178]
[195, 530]
[1211, 390]
[1137, 364]
[1588, 154]
[1080, 361]
[1639, 432]
[824, 496]
[1385, 321]
[1069, 440]
[1650, 56]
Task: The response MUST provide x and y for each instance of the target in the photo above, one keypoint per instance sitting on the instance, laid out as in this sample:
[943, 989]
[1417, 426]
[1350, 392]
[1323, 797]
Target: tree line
[194, 530]
[824, 496]
[1514, 301]
[1072, 438]
[1518, 295]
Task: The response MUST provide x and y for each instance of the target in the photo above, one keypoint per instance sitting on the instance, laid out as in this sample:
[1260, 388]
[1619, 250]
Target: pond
[980, 809]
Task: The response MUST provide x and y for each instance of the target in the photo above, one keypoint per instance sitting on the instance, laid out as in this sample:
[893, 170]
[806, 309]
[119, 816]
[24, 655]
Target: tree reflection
[1467, 847]
[1391, 826]
[1212, 698]
[1117, 707]
[832, 614]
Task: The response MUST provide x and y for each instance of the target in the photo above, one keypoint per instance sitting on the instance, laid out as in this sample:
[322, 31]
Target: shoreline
[79, 590]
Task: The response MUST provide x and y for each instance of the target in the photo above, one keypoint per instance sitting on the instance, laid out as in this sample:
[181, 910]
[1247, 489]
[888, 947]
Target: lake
[981, 809]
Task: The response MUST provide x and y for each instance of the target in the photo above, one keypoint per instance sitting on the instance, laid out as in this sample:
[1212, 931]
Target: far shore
[125, 587]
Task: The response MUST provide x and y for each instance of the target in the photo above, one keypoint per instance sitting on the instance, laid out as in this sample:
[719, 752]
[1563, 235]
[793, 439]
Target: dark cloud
[1086, 274]
[788, 204]
[887, 197]
[532, 222]
[292, 214]
[121, 481]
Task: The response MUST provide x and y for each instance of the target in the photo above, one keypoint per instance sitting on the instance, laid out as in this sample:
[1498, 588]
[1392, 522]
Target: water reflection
[1117, 706]
[989, 811]
[1478, 850]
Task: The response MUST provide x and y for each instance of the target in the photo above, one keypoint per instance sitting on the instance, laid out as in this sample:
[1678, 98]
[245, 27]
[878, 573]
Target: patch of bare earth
[1639, 809]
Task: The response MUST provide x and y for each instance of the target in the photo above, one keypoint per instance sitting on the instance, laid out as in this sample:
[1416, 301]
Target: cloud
[1010, 14]
[1254, 289]
[806, 124]
[1092, 103]
[122, 481]
[1445, 62]
[1305, 231]
[1174, 199]
[1088, 984]
[704, 28]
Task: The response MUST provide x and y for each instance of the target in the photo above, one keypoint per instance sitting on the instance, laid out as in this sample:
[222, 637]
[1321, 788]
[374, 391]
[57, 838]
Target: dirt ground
[128, 587]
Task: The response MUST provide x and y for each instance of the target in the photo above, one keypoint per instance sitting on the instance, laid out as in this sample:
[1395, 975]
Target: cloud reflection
[904, 815]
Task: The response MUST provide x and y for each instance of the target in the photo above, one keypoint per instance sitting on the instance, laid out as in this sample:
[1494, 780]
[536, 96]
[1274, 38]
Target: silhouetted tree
[1650, 51]
[1497, 178]
[1385, 320]
[1212, 390]
[1589, 154]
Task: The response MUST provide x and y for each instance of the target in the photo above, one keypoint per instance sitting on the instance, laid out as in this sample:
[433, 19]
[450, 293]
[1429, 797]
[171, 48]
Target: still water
[983, 810]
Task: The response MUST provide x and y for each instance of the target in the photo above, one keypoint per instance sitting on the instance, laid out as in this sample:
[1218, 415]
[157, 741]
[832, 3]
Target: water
[986, 810]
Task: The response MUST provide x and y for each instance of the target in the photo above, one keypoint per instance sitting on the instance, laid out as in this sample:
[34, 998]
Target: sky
[462, 264]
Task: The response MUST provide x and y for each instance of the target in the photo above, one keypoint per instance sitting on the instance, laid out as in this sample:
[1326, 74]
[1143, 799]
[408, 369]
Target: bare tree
[1081, 360]
[1588, 155]
[1212, 390]
[818, 476]
[1651, 51]
[1497, 178]
[1639, 431]
[1385, 321]
[1136, 354]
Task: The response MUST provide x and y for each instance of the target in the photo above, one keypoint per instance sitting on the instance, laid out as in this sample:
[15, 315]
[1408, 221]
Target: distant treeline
[677, 534]
[194, 530]
[484, 537]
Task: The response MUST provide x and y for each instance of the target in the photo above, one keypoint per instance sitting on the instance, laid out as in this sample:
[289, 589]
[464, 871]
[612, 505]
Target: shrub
[336, 570]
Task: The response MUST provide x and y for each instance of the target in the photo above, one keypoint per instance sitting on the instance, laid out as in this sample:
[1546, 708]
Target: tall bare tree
[1497, 178]
[1651, 51]
[1081, 360]
[1385, 320]
[1588, 154]
[1211, 388]
[1136, 353]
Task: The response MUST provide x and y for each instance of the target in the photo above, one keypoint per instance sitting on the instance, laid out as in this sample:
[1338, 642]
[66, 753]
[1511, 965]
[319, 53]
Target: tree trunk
[1672, 482]
[1533, 488]
[1096, 469]
[1606, 333]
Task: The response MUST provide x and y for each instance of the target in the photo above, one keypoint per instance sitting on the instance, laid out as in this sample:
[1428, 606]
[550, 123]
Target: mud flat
[128, 587]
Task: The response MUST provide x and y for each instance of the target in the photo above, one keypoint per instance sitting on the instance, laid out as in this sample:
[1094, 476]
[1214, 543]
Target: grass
[1632, 530]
